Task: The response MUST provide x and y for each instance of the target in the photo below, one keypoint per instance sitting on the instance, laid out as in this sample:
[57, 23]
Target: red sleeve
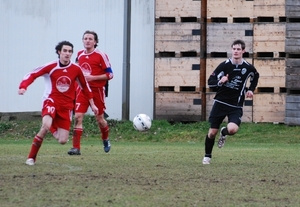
[34, 74]
[104, 61]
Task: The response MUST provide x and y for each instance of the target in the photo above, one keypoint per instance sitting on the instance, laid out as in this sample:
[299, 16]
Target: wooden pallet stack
[292, 48]
[270, 30]
[261, 24]
[177, 60]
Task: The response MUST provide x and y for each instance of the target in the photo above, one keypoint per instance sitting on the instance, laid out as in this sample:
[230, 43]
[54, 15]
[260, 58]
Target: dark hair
[61, 44]
[239, 42]
[93, 33]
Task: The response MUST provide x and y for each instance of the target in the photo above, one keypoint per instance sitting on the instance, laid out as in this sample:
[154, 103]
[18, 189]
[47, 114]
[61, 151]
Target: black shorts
[220, 111]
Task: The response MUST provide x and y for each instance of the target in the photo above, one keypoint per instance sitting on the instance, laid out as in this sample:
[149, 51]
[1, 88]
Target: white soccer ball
[142, 122]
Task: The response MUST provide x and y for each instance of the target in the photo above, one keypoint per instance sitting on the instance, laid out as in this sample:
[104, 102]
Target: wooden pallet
[269, 8]
[230, 8]
[177, 74]
[178, 106]
[178, 48]
[177, 9]
[292, 110]
[272, 74]
[269, 37]
[269, 107]
[292, 8]
[292, 43]
[221, 36]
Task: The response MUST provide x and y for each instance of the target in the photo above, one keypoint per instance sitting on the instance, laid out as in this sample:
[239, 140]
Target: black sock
[224, 131]
[209, 144]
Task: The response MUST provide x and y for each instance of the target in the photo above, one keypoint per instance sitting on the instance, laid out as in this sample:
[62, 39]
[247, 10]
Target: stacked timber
[292, 48]
[177, 60]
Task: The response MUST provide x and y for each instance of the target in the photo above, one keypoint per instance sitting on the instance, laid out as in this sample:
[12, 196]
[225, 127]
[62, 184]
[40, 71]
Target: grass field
[259, 166]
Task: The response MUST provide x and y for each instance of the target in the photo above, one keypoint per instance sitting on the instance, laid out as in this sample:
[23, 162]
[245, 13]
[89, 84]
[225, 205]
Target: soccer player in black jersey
[230, 79]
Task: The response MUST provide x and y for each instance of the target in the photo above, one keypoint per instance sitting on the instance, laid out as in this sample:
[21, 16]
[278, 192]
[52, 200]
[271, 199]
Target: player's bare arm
[93, 107]
[96, 77]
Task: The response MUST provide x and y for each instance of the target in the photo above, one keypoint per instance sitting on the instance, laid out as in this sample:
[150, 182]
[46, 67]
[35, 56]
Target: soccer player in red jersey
[60, 77]
[97, 70]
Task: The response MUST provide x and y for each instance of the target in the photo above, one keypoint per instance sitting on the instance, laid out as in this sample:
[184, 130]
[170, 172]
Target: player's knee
[78, 119]
[62, 141]
[232, 131]
[212, 135]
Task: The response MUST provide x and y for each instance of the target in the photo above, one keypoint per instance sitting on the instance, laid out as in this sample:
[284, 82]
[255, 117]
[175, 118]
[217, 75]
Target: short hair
[93, 33]
[61, 44]
[239, 42]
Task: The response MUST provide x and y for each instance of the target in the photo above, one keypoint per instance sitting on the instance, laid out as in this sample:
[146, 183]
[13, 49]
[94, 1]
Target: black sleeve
[254, 80]
[215, 77]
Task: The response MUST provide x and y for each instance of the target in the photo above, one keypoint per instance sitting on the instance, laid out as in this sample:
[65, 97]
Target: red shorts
[62, 117]
[82, 103]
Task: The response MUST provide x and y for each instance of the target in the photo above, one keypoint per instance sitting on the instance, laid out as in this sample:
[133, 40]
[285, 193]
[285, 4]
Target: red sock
[35, 146]
[104, 132]
[77, 132]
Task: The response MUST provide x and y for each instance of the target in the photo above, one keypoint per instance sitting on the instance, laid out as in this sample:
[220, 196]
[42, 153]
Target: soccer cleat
[222, 139]
[106, 145]
[74, 151]
[206, 160]
[29, 161]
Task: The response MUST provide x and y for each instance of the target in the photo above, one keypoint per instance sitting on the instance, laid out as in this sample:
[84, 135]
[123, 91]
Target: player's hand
[249, 94]
[224, 79]
[21, 91]
[95, 109]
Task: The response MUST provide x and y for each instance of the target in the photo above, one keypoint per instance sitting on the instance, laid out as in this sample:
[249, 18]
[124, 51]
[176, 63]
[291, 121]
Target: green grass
[259, 166]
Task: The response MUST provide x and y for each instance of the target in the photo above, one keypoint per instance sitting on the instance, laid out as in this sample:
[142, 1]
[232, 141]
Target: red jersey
[59, 82]
[95, 63]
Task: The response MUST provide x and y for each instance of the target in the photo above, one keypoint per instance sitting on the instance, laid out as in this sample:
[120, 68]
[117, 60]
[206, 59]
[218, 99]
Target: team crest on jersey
[86, 69]
[63, 84]
[244, 70]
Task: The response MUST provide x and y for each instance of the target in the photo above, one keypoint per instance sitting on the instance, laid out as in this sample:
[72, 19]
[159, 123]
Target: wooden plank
[229, 8]
[292, 121]
[293, 99]
[292, 43]
[269, 8]
[177, 8]
[177, 72]
[176, 37]
[221, 35]
[177, 106]
[269, 37]
[292, 66]
[292, 2]
[292, 81]
[292, 113]
[292, 110]
[270, 68]
[272, 73]
[177, 31]
[269, 107]
[177, 46]
[272, 81]
[292, 8]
